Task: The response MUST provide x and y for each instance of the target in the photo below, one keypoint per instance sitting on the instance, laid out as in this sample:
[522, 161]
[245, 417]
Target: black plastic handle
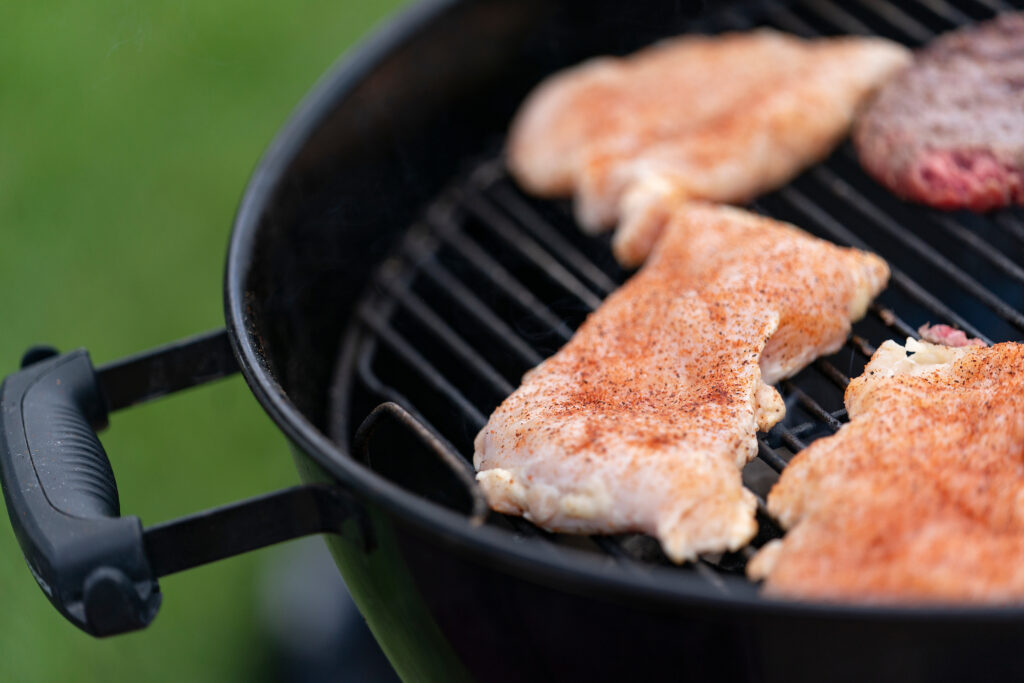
[99, 569]
[62, 498]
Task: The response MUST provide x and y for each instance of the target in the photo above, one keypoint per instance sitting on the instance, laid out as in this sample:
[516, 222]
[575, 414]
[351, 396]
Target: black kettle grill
[387, 285]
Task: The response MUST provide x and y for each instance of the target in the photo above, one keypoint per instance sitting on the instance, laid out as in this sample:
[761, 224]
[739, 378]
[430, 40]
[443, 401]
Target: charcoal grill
[490, 281]
[388, 284]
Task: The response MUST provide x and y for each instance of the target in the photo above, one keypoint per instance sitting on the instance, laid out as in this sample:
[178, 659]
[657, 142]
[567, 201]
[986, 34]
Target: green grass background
[127, 133]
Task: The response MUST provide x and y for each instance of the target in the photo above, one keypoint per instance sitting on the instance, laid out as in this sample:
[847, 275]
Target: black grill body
[387, 284]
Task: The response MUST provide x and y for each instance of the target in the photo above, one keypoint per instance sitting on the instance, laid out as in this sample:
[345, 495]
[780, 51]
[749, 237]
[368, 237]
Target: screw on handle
[62, 497]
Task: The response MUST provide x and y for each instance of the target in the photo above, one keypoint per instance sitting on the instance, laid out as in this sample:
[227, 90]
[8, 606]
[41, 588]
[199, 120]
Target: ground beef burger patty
[949, 130]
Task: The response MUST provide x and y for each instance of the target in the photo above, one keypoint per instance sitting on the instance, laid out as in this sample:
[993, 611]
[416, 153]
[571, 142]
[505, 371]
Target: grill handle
[63, 501]
[100, 569]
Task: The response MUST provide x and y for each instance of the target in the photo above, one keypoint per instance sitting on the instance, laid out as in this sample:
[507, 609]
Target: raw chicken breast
[644, 419]
[720, 118]
[920, 498]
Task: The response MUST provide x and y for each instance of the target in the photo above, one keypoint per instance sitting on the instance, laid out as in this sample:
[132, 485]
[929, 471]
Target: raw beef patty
[949, 130]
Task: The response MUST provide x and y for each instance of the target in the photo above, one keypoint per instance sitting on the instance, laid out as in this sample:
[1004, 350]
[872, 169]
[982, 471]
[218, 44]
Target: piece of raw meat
[644, 419]
[949, 131]
[917, 499]
[721, 118]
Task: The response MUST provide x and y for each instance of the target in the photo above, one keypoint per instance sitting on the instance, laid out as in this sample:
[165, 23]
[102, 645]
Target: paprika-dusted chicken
[920, 498]
[720, 118]
[643, 420]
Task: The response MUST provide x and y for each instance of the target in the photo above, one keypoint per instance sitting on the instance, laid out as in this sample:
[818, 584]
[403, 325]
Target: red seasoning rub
[644, 419]
[949, 131]
[920, 498]
[719, 118]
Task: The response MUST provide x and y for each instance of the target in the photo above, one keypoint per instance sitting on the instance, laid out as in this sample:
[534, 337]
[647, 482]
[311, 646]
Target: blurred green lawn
[127, 133]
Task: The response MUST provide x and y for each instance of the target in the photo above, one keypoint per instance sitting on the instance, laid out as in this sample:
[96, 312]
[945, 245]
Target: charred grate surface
[492, 281]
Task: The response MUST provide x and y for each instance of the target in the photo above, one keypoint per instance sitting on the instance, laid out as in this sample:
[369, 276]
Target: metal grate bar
[837, 16]
[472, 304]
[841, 234]
[860, 203]
[500, 276]
[896, 18]
[440, 446]
[832, 372]
[382, 390]
[768, 454]
[960, 232]
[450, 254]
[994, 5]
[892, 321]
[807, 427]
[397, 343]
[542, 258]
[812, 406]
[448, 336]
[762, 507]
[862, 345]
[788, 437]
[545, 232]
[1012, 225]
[732, 18]
[487, 372]
[482, 368]
[980, 246]
[921, 295]
[944, 10]
[786, 20]
[425, 369]
[710, 575]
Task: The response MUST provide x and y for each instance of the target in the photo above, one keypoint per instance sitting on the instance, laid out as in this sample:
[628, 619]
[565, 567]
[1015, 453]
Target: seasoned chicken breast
[720, 118]
[643, 420]
[917, 499]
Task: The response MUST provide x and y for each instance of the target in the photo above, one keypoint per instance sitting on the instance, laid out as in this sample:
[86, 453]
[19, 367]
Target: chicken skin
[644, 419]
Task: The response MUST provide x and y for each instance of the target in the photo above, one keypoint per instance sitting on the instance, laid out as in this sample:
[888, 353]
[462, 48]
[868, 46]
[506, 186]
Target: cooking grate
[491, 281]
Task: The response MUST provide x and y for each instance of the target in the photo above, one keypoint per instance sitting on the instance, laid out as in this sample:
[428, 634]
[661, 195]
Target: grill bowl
[338, 232]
